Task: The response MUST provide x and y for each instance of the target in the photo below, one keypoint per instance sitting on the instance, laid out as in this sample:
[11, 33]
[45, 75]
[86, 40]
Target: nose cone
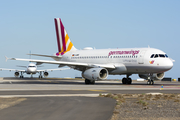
[31, 70]
[168, 64]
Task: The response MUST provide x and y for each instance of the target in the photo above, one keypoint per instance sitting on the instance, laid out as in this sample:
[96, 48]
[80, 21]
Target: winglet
[6, 58]
[9, 58]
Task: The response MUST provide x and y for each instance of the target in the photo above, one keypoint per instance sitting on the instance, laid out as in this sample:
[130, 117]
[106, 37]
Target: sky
[28, 26]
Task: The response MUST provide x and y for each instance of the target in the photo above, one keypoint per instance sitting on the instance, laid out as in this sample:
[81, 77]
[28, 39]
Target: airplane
[97, 64]
[31, 69]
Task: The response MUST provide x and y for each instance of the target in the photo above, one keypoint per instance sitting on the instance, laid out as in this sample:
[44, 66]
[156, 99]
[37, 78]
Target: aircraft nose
[169, 64]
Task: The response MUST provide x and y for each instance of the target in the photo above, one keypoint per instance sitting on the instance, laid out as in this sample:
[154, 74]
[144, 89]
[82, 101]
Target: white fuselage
[31, 69]
[126, 61]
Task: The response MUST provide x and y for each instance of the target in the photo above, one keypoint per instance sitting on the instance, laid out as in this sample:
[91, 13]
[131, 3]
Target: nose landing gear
[150, 82]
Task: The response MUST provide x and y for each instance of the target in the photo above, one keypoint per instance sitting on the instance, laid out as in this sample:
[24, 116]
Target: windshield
[158, 56]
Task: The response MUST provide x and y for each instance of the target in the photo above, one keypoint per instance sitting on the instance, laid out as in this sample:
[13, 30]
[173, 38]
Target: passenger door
[141, 57]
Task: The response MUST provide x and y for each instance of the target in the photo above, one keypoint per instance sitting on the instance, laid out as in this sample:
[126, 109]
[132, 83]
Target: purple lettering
[124, 52]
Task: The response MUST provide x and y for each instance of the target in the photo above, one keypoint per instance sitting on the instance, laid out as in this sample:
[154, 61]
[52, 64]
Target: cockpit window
[31, 66]
[159, 55]
[152, 56]
[162, 55]
[156, 56]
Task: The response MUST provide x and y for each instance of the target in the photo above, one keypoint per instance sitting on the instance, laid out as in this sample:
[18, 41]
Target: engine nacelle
[155, 76]
[46, 74]
[16, 74]
[95, 74]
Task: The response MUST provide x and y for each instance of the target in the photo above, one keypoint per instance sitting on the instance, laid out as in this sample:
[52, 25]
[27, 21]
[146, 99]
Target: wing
[12, 70]
[54, 69]
[75, 65]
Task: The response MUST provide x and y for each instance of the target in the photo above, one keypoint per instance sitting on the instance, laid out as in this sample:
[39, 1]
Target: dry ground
[146, 106]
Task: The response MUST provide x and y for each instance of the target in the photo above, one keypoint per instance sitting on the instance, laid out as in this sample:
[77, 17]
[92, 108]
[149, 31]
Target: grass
[144, 103]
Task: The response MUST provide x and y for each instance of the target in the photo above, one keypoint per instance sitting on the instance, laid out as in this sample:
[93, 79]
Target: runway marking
[98, 90]
[52, 95]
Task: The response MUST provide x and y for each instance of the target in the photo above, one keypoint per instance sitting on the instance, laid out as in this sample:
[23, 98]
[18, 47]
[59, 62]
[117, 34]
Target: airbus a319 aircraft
[31, 69]
[97, 64]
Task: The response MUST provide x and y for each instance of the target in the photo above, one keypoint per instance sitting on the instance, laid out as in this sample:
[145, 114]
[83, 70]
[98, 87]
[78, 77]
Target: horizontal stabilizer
[52, 56]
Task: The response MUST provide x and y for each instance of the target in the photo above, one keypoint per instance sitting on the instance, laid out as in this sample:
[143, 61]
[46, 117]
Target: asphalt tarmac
[60, 108]
[66, 99]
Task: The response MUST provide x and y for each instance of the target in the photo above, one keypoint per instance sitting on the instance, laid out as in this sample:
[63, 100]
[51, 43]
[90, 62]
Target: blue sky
[29, 26]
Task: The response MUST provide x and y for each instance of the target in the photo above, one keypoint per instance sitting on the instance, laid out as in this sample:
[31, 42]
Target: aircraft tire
[124, 81]
[92, 82]
[149, 82]
[87, 81]
[152, 82]
[40, 77]
[129, 80]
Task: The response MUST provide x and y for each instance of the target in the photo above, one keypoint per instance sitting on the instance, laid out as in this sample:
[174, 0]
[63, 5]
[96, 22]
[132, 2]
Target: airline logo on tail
[63, 40]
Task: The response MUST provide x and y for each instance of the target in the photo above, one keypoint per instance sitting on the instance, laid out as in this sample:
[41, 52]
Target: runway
[61, 99]
[73, 86]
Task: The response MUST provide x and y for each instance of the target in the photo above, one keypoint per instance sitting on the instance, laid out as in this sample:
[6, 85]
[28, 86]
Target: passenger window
[156, 56]
[152, 56]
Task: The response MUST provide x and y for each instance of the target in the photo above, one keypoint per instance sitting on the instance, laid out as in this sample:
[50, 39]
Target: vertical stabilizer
[63, 40]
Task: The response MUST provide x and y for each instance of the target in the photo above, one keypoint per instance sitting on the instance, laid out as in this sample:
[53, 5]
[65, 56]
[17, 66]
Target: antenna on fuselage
[148, 46]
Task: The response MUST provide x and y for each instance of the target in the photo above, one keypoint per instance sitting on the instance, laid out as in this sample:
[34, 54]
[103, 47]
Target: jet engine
[16, 74]
[154, 76]
[95, 74]
[46, 74]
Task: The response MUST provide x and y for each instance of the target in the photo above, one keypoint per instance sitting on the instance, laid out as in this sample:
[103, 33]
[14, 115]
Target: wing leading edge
[108, 66]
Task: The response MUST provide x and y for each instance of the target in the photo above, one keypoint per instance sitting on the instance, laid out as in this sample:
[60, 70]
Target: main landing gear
[21, 76]
[150, 79]
[40, 75]
[126, 80]
[89, 81]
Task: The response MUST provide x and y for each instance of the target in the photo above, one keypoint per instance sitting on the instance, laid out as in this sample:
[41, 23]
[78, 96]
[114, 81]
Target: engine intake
[16, 74]
[46, 74]
[95, 74]
[155, 76]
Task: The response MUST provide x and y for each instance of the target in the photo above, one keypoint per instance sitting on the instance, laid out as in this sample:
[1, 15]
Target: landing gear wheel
[87, 81]
[21, 76]
[149, 82]
[152, 82]
[40, 77]
[124, 81]
[129, 80]
[92, 82]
